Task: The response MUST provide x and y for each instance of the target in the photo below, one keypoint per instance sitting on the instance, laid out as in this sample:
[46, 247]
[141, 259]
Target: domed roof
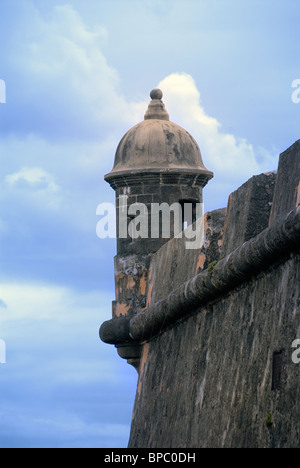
[158, 145]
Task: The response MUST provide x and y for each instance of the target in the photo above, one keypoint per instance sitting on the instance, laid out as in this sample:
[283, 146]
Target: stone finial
[156, 108]
[156, 94]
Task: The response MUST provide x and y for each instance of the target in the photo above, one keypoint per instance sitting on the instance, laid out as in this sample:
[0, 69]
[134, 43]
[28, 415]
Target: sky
[77, 76]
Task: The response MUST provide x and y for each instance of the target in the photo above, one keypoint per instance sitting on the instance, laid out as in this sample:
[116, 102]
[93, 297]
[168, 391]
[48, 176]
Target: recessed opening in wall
[277, 369]
[189, 212]
[130, 229]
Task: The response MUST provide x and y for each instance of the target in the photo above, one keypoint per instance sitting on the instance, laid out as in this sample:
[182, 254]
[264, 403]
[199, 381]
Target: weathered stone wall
[221, 374]
[207, 382]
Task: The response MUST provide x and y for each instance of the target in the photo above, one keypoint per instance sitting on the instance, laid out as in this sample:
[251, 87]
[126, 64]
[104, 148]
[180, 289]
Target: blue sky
[78, 75]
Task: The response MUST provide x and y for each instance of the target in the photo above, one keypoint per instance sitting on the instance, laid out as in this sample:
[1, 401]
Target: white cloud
[67, 88]
[35, 185]
[61, 380]
[57, 323]
[34, 177]
[232, 159]
[43, 302]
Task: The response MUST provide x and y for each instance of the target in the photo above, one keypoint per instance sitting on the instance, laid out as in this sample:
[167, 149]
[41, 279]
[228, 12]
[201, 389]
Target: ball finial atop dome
[156, 94]
[156, 108]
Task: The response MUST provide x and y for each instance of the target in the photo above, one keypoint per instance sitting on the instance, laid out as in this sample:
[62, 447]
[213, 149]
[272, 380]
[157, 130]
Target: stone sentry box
[156, 161]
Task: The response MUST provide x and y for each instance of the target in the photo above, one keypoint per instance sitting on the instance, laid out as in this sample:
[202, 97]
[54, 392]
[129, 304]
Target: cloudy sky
[78, 75]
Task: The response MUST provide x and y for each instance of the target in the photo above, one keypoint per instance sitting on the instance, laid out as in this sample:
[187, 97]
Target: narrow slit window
[277, 370]
[188, 208]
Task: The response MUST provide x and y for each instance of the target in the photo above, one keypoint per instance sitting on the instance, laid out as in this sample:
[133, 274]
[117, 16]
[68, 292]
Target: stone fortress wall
[222, 375]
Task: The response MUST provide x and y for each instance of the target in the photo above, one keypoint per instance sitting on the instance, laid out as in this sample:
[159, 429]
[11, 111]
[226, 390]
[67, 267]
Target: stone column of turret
[156, 162]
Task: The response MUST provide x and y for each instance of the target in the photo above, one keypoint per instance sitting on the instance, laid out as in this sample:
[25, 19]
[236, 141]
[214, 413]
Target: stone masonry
[210, 331]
